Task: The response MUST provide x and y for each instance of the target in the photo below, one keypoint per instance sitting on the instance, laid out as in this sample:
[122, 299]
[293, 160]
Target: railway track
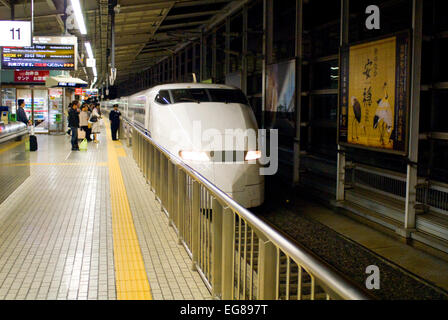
[283, 210]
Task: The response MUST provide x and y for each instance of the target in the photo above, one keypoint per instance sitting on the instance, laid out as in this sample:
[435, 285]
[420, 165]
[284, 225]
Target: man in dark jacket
[21, 114]
[73, 123]
[114, 118]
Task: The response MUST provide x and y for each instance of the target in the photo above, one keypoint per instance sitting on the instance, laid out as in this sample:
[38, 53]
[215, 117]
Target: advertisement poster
[374, 93]
[280, 97]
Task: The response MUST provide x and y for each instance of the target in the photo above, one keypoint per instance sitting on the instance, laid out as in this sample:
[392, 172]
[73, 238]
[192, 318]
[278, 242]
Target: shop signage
[71, 84]
[15, 33]
[29, 76]
[78, 91]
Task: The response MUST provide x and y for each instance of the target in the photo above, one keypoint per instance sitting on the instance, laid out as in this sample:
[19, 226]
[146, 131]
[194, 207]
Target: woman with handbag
[95, 121]
[84, 121]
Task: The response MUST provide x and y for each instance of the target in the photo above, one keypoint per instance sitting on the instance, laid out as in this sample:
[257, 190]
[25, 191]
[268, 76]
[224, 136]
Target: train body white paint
[174, 114]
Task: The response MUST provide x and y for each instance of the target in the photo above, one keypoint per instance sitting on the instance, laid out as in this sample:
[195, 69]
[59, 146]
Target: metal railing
[237, 255]
[431, 195]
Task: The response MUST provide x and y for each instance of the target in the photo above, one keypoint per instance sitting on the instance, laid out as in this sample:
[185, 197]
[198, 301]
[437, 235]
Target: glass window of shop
[43, 106]
[55, 98]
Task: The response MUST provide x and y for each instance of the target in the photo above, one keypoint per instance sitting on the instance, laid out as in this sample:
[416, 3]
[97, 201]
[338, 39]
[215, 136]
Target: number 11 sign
[15, 34]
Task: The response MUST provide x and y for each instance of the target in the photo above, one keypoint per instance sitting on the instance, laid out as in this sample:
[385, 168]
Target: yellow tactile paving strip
[11, 145]
[130, 275]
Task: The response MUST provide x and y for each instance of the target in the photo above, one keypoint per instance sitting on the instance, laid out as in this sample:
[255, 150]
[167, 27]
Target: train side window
[163, 97]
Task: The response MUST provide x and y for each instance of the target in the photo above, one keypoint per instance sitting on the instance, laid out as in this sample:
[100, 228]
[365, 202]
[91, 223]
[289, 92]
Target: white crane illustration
[383, 119]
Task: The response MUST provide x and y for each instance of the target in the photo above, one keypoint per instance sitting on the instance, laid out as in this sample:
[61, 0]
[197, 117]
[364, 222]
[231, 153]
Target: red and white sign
[78, 91]
[30, 76]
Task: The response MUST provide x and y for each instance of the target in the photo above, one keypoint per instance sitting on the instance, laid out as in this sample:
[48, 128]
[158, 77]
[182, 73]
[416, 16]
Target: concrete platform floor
[85, 225]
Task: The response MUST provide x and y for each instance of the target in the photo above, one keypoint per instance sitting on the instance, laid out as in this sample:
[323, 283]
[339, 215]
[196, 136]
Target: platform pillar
[299, 58]
[414, 116]
[344, 39]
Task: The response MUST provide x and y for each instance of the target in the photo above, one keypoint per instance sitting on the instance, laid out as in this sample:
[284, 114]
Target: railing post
[196, 211]
[145, 159]
[170, 191]
[228, 253]
[267, 269]
[140, 151]
[216, 247]
[156, 172]
[181, 188]
[136, 147]
[150, 166]
[162, 180]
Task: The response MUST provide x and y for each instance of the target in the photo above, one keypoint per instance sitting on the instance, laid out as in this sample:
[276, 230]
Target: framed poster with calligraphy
[374, 94]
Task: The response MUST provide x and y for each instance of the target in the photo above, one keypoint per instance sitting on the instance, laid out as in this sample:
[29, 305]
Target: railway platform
[83, 226]
[126, 220]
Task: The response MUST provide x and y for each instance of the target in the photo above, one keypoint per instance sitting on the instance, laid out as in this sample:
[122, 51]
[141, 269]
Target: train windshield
[190, 95]
[208, 95]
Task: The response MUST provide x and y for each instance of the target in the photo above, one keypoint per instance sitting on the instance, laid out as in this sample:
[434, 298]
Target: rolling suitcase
[33, 143]
[32, 139]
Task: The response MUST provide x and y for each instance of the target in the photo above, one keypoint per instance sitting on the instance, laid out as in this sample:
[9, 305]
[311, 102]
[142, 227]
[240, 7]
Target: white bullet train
[210, 126]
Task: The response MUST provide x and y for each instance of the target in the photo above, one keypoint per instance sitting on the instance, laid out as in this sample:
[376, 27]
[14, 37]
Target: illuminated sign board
[27, 76]
[39, 57]
[71, 84]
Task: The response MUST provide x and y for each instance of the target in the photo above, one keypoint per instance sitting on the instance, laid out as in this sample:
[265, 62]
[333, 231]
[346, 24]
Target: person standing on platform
[84, 121]
[21, 114]
[95, 121]
[114, 118]
[73, 123]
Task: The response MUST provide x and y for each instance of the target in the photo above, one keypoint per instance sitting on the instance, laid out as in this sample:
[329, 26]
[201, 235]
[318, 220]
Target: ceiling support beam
[182, 25]
[6, 3]
[192, 15]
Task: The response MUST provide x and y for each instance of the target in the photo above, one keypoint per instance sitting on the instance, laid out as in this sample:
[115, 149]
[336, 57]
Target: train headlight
[194, 155]
[253, 155]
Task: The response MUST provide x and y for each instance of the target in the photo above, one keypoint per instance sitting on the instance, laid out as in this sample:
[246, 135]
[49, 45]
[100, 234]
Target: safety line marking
[12, 146]
[96, 164]
[130, 274]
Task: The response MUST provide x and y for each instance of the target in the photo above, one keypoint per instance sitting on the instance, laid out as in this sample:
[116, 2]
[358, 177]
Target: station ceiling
[145, 30]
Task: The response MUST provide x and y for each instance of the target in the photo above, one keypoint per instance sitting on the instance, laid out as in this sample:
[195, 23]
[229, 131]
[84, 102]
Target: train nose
[241, 181]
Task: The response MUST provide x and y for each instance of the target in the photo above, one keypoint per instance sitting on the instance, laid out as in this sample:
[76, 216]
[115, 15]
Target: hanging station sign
[374, 94]
[15, 33]
[46, 53]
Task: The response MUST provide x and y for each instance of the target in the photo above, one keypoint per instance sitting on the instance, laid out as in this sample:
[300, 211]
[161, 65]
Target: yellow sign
[374, 94]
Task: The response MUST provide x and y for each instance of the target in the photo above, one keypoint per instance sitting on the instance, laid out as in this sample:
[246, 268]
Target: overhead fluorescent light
[79, 17]
[94, 72]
